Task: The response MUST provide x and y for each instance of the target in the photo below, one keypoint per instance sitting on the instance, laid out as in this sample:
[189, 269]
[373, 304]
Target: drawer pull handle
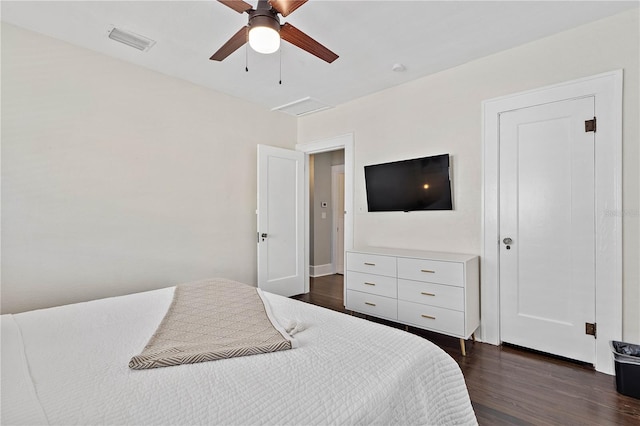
[369, 303]
[369, 264]
[429, 271]
[428, 316]
[427, 294]
[366, 283]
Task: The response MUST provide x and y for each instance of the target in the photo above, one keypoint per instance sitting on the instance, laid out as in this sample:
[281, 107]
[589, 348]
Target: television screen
[417, 184]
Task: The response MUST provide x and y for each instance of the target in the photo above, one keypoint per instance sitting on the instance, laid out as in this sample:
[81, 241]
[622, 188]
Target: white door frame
[607, 89]
[316, 147]
[335, 171]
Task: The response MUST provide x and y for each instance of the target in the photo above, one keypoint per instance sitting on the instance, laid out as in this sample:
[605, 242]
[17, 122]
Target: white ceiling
[370, 37]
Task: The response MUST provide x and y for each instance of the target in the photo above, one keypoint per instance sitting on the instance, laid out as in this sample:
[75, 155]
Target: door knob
[507, 242]
[263, 236]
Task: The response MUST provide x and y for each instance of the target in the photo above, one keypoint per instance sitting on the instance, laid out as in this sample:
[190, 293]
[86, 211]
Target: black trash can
[627, 362]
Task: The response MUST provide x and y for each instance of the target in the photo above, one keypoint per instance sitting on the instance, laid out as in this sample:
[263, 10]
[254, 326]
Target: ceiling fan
[264, 31]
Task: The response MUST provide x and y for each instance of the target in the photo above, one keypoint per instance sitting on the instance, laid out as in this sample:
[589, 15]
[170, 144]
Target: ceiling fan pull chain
[281, 65]
[246, 59]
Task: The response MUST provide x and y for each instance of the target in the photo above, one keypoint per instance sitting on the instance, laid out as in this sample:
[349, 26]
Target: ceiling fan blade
[296, 37]
[237, 5]
[234, 43]
[286, 7]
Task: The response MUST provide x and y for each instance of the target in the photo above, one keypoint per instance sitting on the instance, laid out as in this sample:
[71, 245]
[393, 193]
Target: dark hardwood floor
[509, 385]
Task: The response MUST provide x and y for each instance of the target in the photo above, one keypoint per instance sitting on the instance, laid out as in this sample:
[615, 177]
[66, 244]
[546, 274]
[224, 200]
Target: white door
[547, 209]
[337, 190]
[280, 220]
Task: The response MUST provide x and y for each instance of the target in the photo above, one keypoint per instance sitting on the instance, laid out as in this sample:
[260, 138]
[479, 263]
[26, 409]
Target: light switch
[324, 215]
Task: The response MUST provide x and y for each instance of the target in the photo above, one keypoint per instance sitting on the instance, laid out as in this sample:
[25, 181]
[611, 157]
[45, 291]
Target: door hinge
[590, 125]
[590, 328]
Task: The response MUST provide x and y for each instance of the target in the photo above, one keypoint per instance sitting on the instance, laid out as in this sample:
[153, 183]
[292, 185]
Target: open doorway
[343, 143]
[326, 227]
[326, 213]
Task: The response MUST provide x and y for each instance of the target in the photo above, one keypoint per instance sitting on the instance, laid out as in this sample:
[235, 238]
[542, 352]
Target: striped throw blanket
[210, 320]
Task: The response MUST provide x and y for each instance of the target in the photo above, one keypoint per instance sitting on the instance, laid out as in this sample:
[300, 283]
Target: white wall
[117, 179]
[442, 114]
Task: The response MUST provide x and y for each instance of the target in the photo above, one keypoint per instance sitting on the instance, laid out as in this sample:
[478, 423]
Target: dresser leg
[473, 336]
[462, 348]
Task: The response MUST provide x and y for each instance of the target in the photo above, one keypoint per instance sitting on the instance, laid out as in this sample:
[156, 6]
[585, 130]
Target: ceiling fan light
[264, 40]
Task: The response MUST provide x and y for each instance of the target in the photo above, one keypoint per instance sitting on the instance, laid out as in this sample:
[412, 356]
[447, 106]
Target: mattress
[69, 365]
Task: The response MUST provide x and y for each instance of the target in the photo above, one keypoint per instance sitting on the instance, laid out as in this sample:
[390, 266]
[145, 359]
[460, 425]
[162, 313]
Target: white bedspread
[69, 365]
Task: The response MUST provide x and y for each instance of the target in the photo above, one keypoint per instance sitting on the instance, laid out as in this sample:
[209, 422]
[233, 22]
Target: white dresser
[430, 290]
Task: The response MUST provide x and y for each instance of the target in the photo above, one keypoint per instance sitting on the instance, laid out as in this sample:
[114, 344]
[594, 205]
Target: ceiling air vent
[130, 39]
[302, 107]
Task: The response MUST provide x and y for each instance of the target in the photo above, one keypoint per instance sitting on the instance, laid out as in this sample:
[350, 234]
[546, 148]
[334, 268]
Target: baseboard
[321, 270]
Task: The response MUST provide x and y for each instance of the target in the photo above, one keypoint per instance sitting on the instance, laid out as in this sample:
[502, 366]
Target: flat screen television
[409, 185]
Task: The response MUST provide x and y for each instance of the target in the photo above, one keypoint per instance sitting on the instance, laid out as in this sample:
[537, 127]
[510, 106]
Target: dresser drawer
[432, 318]
[374, 284]
[371, 264]
[444, 296]
[378, 306]
[433, 271]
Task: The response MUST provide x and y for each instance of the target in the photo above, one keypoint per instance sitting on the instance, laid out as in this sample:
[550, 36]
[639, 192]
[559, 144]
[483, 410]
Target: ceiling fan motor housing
[264, 18]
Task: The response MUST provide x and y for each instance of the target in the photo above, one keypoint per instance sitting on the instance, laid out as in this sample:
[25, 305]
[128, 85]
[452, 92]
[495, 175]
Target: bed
[69, 365]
